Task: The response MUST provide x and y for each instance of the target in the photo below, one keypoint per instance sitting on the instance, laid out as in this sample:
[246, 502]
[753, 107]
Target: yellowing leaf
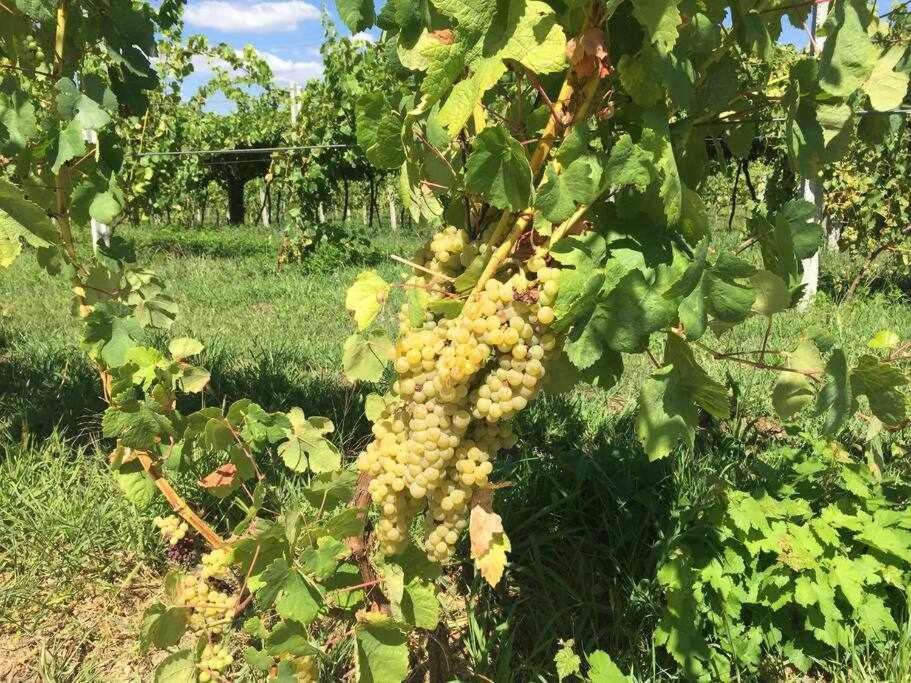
[365, 298]
[884, 339]
[184, 347]
[489, 544]
[886, 86]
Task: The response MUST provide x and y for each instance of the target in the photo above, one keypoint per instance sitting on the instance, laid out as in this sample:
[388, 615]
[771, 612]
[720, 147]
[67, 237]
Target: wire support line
[253, 150]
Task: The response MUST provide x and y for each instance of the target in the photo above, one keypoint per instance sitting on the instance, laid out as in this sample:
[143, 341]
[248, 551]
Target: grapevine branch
[359, 545]
[177, 503]
[541, 153]
[548, 136]
[814, 376]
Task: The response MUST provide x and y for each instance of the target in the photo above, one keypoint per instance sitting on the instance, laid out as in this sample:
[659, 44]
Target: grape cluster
[212, 610]
[217, 564]
[460, 380]
[448, 250]
[172, 528]
[32, 45]
[213, 661]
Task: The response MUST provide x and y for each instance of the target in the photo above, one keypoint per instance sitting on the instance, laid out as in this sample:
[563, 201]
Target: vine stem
[546, 141]
[541, 152]
[417, 266]
[177, 503]
[567, 225]
[359, 545]
[752, 363]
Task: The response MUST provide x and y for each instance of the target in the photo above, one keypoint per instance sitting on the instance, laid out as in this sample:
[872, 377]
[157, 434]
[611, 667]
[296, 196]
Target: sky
[288, 34]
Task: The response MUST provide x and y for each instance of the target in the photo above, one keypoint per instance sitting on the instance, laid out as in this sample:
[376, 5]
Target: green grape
[213, 660]
[212, 610]
[459, 380]
[217, 564]
[172, 528]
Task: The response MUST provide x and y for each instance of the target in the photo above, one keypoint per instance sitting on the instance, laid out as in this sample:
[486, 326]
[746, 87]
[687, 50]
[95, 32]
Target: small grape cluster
[460, 380]
[212, 662]
[448, 250]
[32, 45]
[172, 528]
[217, 564]
[212, 610]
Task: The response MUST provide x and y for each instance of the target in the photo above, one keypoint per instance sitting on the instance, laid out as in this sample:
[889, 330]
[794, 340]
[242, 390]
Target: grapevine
[554, 154]
[441, 444]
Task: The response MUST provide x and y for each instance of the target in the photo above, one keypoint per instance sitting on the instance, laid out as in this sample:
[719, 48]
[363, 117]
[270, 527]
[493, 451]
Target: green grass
[588, 514]
[74, 566]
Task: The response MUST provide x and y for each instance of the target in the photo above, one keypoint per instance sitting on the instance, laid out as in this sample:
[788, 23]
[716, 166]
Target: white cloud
[363, 35]
[236, 15]
[284, 70]
[288, 70]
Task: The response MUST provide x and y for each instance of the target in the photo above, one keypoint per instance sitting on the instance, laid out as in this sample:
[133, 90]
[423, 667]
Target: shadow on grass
[589, 518]
[49, 387]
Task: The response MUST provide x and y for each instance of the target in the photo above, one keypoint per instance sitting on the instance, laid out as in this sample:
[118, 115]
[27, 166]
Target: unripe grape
[545, 315]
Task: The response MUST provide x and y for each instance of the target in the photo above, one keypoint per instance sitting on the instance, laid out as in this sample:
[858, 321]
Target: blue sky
[288, 34]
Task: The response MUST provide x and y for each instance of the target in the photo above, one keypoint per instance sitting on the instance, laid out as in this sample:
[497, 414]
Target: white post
[101, 233]
[393, 217]
[263, 198]
[812, 188]
[321, 212]
[295, 103]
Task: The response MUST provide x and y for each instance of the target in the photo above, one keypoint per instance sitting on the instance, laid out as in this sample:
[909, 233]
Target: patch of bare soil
[86, 634]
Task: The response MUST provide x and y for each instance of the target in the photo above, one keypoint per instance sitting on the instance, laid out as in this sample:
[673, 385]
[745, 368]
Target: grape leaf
[298, 601]
[379, 131]
[17, 116]
[623, 320]
[666, 415]
[21, 217]
[772, 295]
[602, 669]
[793, 391]
[629, 164]
[37, 9]
[177, 667]
[382, 650]
[637, 74]
[364, 356]
[887, 87]
[835, 401]
[498, 169]
[289, 638]
[567, 662]
[489, 544]
[306, 447]
[848, 56]
[136, 485]
[184, 347]
[358, 15]
[420, 606]
[365, 298]
[881, 383]
[660, 19]
[560, 193]
[163, 626]
[884, 339]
